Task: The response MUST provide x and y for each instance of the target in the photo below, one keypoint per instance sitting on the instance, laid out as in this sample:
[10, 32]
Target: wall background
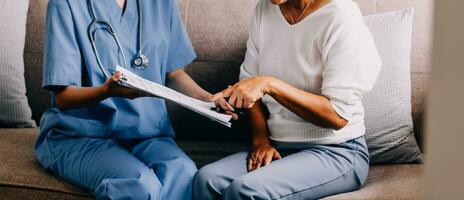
[444, 120]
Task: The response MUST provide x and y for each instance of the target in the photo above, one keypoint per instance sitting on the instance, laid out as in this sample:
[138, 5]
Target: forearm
[259, 131]
[314, 108]
[182, 82]
[76, 97]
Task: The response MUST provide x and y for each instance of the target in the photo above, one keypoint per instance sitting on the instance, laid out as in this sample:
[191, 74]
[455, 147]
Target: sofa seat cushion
[389, 182]
[22, 177]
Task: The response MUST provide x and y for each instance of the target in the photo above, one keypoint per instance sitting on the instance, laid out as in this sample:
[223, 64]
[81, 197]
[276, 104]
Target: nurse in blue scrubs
[105, 138]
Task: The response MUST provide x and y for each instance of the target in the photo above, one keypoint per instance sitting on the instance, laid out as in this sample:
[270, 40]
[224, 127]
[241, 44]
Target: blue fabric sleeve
[62, 57]
[181, 52]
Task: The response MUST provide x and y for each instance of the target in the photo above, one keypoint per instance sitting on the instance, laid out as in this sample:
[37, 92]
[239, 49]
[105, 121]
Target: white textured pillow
[14, 109]
[389, 126]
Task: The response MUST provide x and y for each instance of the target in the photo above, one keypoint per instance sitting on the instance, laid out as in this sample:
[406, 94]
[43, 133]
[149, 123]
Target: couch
[218, 30]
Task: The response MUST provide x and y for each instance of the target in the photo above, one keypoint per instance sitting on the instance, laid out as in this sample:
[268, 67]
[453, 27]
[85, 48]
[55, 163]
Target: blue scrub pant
[149, 169]
[310, 172]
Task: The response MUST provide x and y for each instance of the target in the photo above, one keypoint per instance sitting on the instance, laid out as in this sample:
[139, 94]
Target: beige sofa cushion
[389, 182]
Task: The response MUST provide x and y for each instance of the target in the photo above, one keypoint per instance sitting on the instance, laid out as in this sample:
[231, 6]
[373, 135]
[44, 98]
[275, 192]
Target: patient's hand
[245, 93]
[261, 156]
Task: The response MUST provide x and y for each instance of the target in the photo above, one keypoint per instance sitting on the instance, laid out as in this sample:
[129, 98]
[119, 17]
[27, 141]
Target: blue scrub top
[70, 61]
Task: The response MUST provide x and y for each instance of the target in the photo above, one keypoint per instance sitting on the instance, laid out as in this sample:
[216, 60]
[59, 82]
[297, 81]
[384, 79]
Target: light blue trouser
[150, 169]
[310, 172]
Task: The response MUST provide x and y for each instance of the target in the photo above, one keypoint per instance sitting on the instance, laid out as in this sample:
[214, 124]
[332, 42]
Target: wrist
[261, 143]
[271, 84]
[104, 91]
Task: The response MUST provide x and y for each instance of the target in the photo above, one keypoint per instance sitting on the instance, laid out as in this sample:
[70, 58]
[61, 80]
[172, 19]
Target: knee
[208, 183]
[148, 186]
[185, 168]
[204, 177]
[244, 188]
[145, 186]
[361, 176]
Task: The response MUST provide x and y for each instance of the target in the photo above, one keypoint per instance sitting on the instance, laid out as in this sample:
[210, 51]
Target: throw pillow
[14, 108]
[389, 126]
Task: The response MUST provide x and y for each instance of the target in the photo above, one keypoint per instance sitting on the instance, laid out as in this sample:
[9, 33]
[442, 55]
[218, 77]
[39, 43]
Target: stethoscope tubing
[92, 36]
[107, 26]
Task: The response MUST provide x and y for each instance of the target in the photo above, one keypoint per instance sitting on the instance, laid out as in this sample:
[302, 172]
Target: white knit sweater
[330, 52]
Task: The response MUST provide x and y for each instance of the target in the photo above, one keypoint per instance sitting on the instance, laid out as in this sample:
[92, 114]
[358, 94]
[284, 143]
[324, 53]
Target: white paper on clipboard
[136, 82]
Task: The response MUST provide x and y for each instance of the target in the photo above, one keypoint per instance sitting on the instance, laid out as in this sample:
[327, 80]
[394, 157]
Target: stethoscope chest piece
[140, 61]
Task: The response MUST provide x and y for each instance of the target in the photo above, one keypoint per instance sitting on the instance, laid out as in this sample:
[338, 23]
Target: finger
[239, 101]
[233, 99]
[216, 97]
[116, 76]
[259, 161]
[251, 105]
[254, 159]
[224, 105]
[249, 164]
[277, 155]
[267, 159]
[225, 93]
[248, 103]
[234, 116]
[253, 165]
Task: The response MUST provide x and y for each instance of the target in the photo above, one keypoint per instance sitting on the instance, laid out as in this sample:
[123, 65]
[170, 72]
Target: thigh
[172, 166]
[308, 174]
[228, 168]
[101, 166]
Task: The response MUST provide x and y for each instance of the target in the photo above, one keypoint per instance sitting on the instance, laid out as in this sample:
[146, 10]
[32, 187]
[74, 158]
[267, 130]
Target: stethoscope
[140, 60]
